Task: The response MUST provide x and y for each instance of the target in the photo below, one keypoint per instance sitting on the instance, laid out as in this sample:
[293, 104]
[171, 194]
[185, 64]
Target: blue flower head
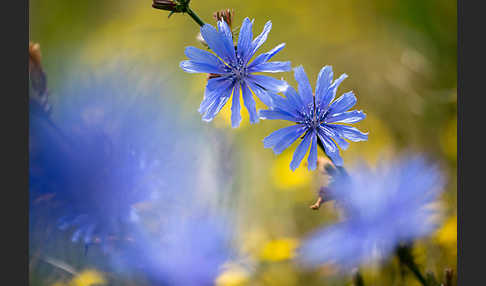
[184, 251]
[232, 72]
[320, 119]
[382, 209]
[109, 145]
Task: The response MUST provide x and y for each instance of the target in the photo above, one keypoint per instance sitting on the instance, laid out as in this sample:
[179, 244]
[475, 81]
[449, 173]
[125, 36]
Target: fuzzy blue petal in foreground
[319, 119]
[184, 251]
[232, 72]
[382, 209]
[113, 144]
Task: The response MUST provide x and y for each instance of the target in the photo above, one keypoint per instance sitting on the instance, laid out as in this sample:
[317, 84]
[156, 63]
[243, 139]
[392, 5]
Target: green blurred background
[401, 60]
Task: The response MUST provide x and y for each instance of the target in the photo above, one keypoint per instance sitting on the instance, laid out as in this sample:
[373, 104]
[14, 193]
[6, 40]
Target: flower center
[313, 118]
[239, 69]
[311, 123]
[239, 72]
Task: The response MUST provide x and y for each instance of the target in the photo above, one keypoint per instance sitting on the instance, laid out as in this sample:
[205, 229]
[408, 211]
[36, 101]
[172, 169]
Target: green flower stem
[194, 16]
[406, 258]
[358, 279]
[413, 267]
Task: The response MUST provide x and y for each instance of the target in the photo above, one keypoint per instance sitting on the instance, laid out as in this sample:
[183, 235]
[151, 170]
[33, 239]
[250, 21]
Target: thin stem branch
[405, 257]
[194, 16]
[413, 267]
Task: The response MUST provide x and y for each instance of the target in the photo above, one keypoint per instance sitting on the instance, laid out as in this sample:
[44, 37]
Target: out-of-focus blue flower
[382, 208]
[320, 119]
[110, 144]
[231, 71]
[183, 251]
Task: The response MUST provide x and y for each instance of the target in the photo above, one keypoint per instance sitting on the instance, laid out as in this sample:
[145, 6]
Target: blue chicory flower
[320, 118]
[109, 145]
[382, 209]
[183, 251]
[232, 72]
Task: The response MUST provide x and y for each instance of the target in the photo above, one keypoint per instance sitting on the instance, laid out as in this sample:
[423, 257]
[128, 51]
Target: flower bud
[167, 5]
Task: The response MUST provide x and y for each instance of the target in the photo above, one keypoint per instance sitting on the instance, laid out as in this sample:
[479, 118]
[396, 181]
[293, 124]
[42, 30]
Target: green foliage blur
[402, 65]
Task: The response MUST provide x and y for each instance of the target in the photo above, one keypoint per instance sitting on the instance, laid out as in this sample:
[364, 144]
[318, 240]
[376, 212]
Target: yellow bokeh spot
[88, 278]
[234, 275]
[284, 178]
[447, 235]
[279, 249]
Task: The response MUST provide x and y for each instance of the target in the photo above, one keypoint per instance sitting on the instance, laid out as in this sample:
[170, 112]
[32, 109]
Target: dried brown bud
[167, 5]
[226, 15]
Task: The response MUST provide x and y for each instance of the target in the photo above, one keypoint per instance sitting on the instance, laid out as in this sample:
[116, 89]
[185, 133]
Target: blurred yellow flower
[88, 277]
[279, 249]
[284, 178]
[447, 235]
[234, 275]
